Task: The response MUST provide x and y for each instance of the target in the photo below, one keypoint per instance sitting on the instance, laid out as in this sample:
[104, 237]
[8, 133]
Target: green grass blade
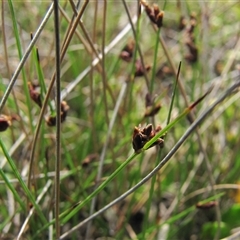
[173, 94]
[176, 120]
[93, 194]
[12, 189]
[153, 180]
[25, 85]
[65, 216]
[22, 183]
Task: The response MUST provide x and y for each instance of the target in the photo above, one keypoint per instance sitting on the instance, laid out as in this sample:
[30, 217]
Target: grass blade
[22, 183]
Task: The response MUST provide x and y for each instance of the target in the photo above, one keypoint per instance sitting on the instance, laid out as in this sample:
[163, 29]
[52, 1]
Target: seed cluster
[152, 108]
[6, 121]
[154, 14]
[51, 120]
[142, 136]
[192, 56]
[127, 56]
[34, 94]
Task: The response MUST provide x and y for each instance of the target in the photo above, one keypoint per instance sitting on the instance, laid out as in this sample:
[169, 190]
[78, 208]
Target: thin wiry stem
[93, 49]
[111, 45]
[189, 131]
[58, 116]
[153, 181]
[90, 42]
[50, 90]
[25, 57]
[111, 124]
[104, 80]
[103, 61]
[137, 42]
[92, 100]
[39, 198]
[191, 117]
[154, 62]
[174, 93]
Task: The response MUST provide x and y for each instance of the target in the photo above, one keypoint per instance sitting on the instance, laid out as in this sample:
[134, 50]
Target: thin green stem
[153, 181]
[12, 189]
[41, 76]
[154, 61]
[173, 94]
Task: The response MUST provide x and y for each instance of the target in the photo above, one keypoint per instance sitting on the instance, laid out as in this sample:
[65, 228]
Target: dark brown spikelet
[192, 56]
[30, 206]
[164, 72]
[154, 13]
[206, 206]
[159, 19]
[156, 9]
[89, 159]
[152, 110]
[193, 21]
[142, 135]
[139, 72]
[34, 94]
[151, 107]
[148, 100]
[51, 120]
[147, 130]
[5, 122]
[150, 13]
[127, 52]
[182, 23]
[64, 110]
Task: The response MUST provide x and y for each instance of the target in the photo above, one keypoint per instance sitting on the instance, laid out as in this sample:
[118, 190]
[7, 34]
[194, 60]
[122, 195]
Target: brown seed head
[182, 23]
[207, 205]
[5, 122]
[153, 13]
[140, 69]
[35, 96]
[159, 19]
[51, 121]
[127, 51]
[142, 135]
[147, 130]
[152, 110]
[89, 159]
[155, 9]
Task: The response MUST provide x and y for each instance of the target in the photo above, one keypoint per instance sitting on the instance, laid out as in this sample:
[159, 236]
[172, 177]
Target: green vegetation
[143, 143]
